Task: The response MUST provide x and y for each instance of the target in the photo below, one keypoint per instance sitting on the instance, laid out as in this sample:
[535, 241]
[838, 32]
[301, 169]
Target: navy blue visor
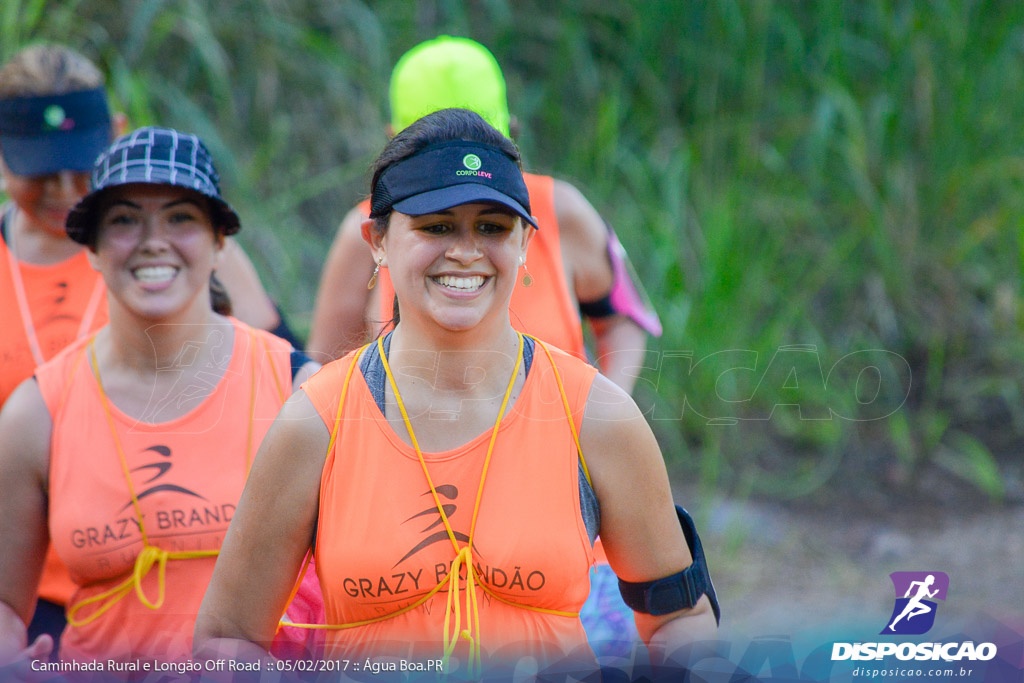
[449, 174]
[47, 134]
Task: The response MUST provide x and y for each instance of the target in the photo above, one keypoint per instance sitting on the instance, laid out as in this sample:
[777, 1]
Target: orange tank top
[187, 475]
[45, 308]
[546, 309]
[381, 545]
[58, 298]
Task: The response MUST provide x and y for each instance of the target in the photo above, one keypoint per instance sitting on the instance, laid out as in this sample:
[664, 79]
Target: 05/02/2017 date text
[367, 665]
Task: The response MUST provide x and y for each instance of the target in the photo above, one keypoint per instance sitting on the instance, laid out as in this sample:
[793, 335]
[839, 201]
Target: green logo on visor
[54, 115]
[472, 162]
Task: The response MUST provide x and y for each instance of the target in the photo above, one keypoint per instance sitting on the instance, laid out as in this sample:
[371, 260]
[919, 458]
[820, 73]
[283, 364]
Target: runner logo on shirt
[58, 311]
[444, 492]
[161, 468]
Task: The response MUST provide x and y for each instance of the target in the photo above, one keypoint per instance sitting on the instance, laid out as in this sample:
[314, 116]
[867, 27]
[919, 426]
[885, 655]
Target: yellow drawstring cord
[464, 557]
[568, 410]
[273, 367]
[252, 393]
[464, 554]
[150, 554]
[309, 556]
[330, 446]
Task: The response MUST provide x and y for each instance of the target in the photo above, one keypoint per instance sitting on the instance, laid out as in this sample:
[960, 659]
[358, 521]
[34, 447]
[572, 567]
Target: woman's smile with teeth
[154, 274]
[466, 284]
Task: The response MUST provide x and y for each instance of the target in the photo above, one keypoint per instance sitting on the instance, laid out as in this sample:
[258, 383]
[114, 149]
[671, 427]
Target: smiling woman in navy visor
[451, 476]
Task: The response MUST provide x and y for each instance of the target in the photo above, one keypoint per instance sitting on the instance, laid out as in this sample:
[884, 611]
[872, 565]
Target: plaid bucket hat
[157, 156]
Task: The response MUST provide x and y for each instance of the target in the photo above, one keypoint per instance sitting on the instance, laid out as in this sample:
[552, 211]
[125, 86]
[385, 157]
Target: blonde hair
[48, 69]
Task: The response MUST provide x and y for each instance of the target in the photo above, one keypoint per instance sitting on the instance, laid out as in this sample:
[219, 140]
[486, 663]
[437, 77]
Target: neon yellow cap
[448, 72]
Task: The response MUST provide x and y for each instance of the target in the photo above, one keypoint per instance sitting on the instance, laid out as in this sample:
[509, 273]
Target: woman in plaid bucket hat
[138, 439]
[54, 122]
[451, 477]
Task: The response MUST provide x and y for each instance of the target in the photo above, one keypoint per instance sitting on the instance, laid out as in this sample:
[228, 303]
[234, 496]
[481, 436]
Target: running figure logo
[914, 612]
[449, 492]
[161, 468]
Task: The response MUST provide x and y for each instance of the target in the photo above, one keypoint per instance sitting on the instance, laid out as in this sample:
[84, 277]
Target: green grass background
[824, 200]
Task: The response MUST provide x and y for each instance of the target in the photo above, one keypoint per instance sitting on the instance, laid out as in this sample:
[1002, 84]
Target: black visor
[448, 174]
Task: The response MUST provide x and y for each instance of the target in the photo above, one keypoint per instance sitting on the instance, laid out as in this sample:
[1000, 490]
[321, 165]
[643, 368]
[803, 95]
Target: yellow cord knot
[471, 633]
[149, 556]
[144, 562]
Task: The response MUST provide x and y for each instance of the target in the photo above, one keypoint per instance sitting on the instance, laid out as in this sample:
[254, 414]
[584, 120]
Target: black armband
[679, 591]
[602, 308]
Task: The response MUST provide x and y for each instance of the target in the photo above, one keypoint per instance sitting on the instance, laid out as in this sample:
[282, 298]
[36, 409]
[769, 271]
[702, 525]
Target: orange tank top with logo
[186, 474]
[546, 309]
[381, 543]
[46, 308]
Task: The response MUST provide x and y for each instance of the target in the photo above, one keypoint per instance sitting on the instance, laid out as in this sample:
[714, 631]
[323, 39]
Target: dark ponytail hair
[219, 299]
